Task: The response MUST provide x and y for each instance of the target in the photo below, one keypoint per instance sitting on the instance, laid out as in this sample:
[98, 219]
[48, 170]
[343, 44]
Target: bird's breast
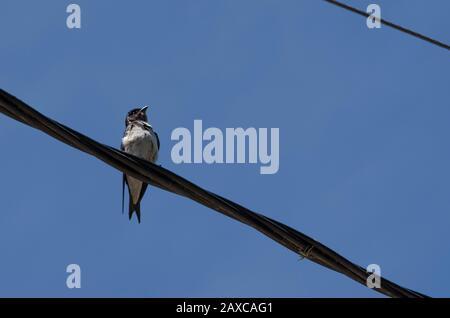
[141, 143]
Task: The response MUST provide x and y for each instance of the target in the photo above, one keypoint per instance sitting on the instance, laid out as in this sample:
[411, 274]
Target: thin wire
[391, 24]
[162, 178]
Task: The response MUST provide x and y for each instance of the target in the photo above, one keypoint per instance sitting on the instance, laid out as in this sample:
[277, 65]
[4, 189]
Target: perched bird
[142, 141]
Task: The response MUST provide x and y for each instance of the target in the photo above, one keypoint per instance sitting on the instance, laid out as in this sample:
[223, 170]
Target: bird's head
[136, 114]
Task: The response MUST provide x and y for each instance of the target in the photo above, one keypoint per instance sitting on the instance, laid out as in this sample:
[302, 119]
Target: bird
[141, 141]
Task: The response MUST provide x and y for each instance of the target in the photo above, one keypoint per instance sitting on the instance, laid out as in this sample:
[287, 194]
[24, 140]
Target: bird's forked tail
[134, 208]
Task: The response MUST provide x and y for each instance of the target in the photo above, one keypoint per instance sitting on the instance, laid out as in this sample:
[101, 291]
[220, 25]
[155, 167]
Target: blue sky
[364, 153]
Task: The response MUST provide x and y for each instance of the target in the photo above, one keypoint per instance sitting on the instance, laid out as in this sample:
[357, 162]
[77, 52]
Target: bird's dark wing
[124, 180]
[148, 127]
[157, 139]
[143, 189]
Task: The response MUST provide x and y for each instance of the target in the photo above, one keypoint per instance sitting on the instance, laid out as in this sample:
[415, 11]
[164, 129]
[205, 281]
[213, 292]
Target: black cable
[391, 24]
[167, 180]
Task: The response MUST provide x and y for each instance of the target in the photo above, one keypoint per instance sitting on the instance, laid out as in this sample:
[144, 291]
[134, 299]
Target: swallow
[142, 141]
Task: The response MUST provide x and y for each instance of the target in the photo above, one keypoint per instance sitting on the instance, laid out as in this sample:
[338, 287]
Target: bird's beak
[143, 109]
